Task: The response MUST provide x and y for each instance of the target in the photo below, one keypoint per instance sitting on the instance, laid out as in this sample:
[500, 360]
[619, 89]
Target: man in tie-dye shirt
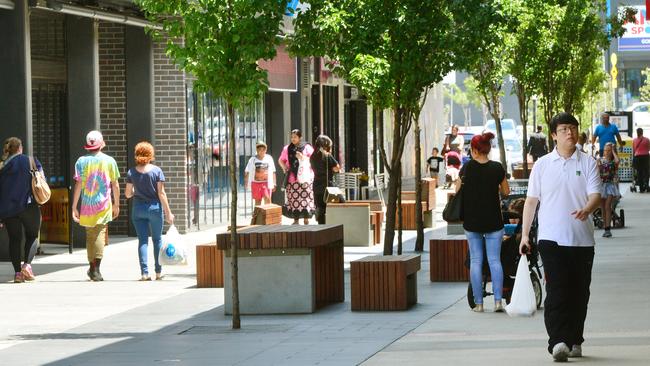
[95, 178]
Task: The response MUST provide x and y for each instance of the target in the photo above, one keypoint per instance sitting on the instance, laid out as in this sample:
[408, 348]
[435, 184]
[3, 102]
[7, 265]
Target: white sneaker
[576, 351]
[560, 352]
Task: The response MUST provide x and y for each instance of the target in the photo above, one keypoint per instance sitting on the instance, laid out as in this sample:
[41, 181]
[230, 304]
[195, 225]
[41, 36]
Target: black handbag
[453, 211]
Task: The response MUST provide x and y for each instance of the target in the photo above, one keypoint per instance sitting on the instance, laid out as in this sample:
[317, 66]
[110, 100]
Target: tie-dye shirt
[96, 172]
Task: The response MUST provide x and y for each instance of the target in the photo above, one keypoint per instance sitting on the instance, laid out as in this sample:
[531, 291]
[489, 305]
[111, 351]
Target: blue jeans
[148, 216]
[492, 243]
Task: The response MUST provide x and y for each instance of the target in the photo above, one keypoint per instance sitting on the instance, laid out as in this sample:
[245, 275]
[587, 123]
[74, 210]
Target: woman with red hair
[482, 181]
[146, 184]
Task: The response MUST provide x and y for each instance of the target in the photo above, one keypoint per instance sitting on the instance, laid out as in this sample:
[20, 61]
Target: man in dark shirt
[537, 146]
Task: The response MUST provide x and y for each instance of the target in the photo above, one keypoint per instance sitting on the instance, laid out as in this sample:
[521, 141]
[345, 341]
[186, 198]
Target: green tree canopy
[393, 51]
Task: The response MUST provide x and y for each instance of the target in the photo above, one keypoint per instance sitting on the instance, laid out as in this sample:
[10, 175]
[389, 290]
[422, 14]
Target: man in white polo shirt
[566, 185]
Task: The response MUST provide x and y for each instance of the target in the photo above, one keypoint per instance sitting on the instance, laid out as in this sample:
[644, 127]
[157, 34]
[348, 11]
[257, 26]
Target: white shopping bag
[305, 172]
[522, 302]
[172, 251]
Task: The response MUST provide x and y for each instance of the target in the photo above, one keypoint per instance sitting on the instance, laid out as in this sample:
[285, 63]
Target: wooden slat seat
[384, 282]
[408, 215]
[375, 205]
[377, 220]
[447, 260]
[209, 266]
[270, 214]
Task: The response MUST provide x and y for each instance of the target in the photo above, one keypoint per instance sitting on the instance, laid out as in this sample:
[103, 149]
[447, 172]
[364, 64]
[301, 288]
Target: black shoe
[97, 274]
[91, 272]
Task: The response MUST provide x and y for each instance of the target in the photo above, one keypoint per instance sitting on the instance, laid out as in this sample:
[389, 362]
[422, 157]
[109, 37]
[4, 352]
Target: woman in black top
[324, 166]
[482, 181]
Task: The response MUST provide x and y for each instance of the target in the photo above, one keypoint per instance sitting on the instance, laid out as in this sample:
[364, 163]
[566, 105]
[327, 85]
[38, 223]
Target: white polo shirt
[562, 187]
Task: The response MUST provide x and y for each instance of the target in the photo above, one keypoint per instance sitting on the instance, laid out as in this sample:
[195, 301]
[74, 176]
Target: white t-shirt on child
[261, 170]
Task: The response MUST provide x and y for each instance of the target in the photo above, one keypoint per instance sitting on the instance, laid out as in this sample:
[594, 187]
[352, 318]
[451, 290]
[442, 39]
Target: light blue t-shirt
[606, 134]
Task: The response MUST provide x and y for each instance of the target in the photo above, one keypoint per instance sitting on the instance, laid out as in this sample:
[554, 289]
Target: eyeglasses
[573, 129]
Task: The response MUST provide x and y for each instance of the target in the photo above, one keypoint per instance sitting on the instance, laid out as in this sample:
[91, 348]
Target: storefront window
[633, 79]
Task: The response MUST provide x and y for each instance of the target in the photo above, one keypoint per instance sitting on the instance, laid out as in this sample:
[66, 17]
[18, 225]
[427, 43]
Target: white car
[640, 114]
[514, 152]
[508, 127]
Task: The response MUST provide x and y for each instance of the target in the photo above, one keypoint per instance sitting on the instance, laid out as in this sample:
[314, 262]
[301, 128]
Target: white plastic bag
[172, 251]
[305, 173]
[522, 302]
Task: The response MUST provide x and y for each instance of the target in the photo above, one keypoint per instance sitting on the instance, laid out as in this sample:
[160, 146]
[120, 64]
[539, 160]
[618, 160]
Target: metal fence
[208, 156]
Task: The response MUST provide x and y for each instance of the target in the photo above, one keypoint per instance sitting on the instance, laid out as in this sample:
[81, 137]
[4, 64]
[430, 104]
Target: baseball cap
[260, 143]
[94, 141]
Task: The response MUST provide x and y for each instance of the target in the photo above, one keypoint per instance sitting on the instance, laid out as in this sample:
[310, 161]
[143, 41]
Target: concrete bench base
[285, 269]
[277, 281]
[455, 228]
[355, 218]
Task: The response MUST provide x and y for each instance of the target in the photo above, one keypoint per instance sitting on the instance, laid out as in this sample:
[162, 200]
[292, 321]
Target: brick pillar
[170, 129]
[112, 106]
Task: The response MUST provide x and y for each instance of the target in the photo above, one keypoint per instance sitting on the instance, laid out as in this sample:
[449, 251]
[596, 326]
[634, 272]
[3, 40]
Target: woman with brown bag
[18, 209]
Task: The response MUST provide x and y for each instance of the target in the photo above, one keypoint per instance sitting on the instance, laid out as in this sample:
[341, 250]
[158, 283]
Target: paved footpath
[617, 331]
[63, 319]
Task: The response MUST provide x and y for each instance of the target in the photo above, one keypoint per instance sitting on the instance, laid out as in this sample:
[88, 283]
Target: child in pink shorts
[262, 170]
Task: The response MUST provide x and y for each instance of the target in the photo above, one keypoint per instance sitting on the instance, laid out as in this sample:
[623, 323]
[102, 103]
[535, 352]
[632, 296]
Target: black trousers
[642, 170]
[321, 206]
[568, 276]
[29, 221]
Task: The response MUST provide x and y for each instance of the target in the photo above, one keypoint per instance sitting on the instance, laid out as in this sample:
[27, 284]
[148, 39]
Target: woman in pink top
[640, 161]
[294, 161]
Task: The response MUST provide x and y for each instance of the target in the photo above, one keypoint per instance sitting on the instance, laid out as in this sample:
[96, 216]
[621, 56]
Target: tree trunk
[419, 221]
[232, 161]
[523, 116]
[492, 102]
[400, 217]
[549, 108]
[394, 171]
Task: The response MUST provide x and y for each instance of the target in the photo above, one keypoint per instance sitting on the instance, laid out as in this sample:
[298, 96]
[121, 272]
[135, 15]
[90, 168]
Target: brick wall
[170, 130]
[112, 106]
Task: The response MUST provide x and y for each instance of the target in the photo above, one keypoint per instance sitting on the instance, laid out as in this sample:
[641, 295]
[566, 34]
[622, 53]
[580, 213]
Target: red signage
[281, 71]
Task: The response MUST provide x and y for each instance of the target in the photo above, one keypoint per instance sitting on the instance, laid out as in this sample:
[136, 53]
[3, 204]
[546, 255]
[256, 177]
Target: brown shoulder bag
[40, 188]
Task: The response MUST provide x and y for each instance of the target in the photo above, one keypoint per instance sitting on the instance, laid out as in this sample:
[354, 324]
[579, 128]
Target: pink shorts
[260, 190]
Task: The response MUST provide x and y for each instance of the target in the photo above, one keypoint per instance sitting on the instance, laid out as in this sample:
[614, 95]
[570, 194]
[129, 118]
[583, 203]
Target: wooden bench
[447, 260]
[209, 266]
[285, 268]
[384, 282]
[408, 215]
[356, 220]
[377, 220]
[270, 214]
[429, 192]
[375, 205]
